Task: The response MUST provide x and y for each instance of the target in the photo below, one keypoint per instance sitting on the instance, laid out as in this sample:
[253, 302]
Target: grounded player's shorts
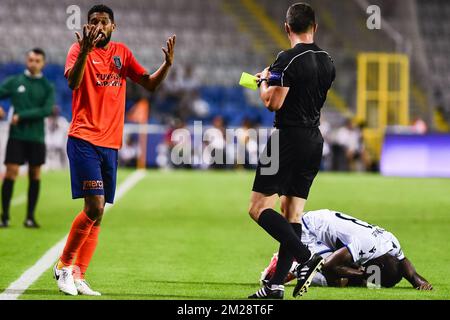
[21, 151]
[300, 156]
[93, 169]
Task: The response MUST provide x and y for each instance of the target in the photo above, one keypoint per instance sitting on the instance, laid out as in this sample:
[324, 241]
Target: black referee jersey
[308, 71]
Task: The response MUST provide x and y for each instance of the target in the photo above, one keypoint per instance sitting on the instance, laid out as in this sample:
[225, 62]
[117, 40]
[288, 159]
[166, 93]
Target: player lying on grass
[96, 70]
[349, 247]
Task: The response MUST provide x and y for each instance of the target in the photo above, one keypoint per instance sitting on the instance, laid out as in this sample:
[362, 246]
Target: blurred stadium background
[181, 234]
[391, 81]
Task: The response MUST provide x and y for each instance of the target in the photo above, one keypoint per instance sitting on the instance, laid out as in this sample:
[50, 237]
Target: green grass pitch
[187, 235]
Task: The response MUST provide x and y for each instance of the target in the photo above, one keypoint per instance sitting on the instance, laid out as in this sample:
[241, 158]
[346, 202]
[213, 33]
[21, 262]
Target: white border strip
[19, 286]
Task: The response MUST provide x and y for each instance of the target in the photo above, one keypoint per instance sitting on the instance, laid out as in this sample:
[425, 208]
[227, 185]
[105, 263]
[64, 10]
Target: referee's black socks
[280, 229]
[285, 259]
[7, 190]
[33, 194]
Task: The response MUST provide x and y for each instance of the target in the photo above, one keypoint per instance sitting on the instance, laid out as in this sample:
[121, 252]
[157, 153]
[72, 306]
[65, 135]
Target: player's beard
[105, 40]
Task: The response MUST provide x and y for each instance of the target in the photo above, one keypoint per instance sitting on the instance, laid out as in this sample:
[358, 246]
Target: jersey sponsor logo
[378, 231]
[21, 88]
[109, 80]
[93, 185]
[117, 62]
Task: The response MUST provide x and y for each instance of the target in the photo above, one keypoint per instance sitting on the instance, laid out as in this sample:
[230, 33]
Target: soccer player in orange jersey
[96, 70]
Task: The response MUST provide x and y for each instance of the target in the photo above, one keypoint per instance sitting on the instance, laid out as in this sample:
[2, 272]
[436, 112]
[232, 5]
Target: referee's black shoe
[305, 273]
[31, 224]
[274, 292]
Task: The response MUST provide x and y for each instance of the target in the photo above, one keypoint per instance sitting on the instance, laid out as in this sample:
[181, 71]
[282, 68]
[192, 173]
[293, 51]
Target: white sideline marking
[19, 286]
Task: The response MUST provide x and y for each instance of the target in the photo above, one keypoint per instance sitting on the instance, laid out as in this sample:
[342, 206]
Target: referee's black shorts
[300, 155]
[21, 151]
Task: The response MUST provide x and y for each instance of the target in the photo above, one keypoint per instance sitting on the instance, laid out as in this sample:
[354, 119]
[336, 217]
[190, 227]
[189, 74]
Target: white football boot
[84, 288]
[64, 279]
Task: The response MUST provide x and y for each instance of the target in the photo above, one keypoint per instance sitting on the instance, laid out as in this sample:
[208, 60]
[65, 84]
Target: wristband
[260, 81]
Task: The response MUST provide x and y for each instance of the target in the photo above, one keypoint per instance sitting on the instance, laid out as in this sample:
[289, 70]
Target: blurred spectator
[189, 96]
[325, 129]
[198, 106]
[56, 127]
[180, 96]
[215, 140]
[166, 99]
[248, 142]
[345, 146]
[419, 126]
[172, 85]
[164, 149]
[363, 160]
[129, 152]
[189, 83]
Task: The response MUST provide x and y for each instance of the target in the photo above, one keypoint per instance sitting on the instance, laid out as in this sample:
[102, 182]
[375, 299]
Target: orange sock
[81, 228]
[86, 252]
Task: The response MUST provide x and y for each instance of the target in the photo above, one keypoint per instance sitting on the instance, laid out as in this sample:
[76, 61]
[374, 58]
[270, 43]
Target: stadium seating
[211, 42]
[435, 28]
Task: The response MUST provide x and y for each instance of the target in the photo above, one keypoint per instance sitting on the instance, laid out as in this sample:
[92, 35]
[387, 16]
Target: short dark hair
[391, 273]
[300, 17]
[38, 51]
[101, 8]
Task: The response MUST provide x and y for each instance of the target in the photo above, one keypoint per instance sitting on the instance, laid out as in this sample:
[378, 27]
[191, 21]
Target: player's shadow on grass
[127, 296]
[130, 296]
[32, 292]
[246, 284]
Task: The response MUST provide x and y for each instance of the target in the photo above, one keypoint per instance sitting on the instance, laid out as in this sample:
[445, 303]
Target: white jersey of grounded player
[327, 231]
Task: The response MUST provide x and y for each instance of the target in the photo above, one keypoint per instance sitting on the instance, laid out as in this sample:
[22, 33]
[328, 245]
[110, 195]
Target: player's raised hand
[91, 36]
[169, 51]
[2, 113]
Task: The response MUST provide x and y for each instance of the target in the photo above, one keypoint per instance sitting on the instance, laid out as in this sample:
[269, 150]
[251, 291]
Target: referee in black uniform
[295, 86]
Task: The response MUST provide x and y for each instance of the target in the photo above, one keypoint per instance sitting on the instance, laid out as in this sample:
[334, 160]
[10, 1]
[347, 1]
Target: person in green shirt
[32, 98]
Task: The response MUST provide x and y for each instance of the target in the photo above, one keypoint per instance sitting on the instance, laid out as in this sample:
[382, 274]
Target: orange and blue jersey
[98, 112]
[98, 105]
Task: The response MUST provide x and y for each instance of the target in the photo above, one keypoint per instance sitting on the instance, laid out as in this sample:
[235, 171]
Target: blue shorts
[93, 170]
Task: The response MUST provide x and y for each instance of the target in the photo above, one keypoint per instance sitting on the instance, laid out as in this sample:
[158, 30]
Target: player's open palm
[91, 36]
[169, 51]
